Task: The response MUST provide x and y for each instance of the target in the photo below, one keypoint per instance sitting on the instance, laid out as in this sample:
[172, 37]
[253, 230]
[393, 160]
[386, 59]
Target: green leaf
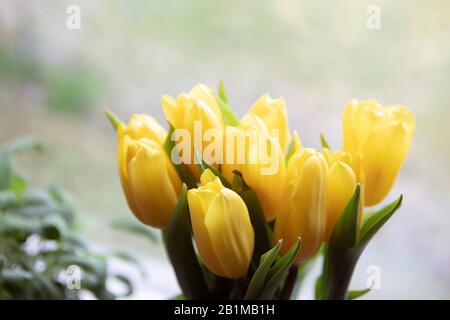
[290, 151]
[355, 294]
[222, 93]
[18, 185]
[324, 142]
[7, 199]
[338, 261]
[319, 288]
[8, 178]
[376, 221]
[345, 234]
[229, 117]
[263, 239]
[178, 243]
[134, 227]
[19, 145]
[278, 272]
[113, 118]
[53, 227]
[179, 296]
[183, 171]
[6, 172]
[203, 165]
[257, 283]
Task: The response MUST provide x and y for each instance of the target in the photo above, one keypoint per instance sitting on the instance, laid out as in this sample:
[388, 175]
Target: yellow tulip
[149, 180]
[297, 143]
[303, 214]
[142, 126]
[344, 171]
[274, 115]
[341, 184]
[266, 177]
[222, 229]
[381, 137]
[198, 107]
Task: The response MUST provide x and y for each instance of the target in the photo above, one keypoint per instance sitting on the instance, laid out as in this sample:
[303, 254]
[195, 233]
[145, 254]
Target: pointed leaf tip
[222, 92]
[113, 118]
[324, 142]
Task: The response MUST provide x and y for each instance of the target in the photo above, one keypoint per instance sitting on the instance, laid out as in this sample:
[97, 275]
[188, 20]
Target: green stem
[289, 284]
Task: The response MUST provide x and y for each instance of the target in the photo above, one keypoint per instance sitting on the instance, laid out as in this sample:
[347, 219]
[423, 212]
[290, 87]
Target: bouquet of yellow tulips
[244, 207]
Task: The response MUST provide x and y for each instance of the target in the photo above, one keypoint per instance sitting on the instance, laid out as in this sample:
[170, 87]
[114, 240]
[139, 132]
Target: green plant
[38, 245]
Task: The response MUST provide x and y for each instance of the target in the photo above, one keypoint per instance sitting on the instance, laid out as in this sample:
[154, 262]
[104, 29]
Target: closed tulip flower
[149, 180]
[265, 175]
[198, 108]
[304, 205]
[341, 184]
[381, 136]
[274, 115]
[142, 126]
[222, 229]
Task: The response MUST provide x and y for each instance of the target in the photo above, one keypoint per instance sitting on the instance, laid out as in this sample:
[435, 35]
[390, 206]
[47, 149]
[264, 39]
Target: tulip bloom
[263, 166]
[303, 214]
[149, 180]
[381, 136]
[222, 229]
[274, 115]
[341, 184]
[196, 109]
[142, 126]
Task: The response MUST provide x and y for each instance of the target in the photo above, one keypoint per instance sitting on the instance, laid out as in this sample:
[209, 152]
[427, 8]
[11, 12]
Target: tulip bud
[341, 184]
[142, 126]
[297, 143]
[222, 229]
[381, 136]
[263, 166]
[274, 115]
[344, 171]
[303, 213]
[196, 112]
[149, 180]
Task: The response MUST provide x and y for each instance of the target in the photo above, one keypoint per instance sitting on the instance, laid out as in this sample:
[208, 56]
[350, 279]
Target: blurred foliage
[71, 90]
[17, 67]
[37, 241]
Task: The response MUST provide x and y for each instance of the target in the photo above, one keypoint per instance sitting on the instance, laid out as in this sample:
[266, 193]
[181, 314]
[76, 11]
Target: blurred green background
[55, 82]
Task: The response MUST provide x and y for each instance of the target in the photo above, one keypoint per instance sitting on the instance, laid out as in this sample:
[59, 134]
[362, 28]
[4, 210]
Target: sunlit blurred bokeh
[55, 82]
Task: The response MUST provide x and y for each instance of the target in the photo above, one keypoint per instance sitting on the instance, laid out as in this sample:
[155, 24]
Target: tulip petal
[404, 115]
[203, 93]
[341, 186]
[171, 111]
[304, 211]
[274, 115]
[298, 145]
[231, 233]
[144, 126]
[154, 194]
[384, 152]
[122, 154]
[199, 201]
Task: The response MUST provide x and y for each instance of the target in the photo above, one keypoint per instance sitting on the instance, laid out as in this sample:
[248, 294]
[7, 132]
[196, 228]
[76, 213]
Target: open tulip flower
[244, 206]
